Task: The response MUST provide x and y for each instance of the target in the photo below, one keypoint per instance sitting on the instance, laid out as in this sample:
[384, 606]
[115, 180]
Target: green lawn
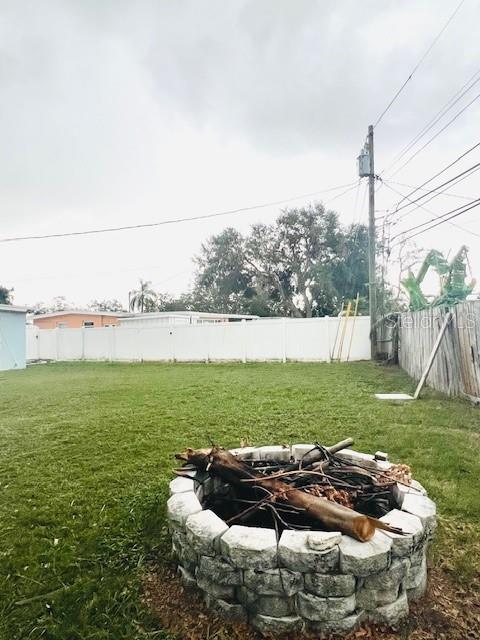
[86, 455]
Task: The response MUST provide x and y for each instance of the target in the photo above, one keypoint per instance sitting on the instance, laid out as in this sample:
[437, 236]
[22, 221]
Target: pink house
[74, 319]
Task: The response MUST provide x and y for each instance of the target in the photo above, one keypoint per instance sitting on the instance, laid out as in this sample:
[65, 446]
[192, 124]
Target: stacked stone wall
[322, 581]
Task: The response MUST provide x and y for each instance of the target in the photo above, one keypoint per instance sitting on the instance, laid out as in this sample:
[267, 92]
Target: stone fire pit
[316, 580]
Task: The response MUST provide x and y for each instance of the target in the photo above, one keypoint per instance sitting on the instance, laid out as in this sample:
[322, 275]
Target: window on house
[62, 325]
[88, 324]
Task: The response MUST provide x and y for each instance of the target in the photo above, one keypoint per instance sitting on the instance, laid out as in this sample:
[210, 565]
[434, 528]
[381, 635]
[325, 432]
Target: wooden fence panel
[468, 319]
[456, 369]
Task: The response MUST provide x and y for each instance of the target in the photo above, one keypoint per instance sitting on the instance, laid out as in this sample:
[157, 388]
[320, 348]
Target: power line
[466, 174]
[351, 188]
[357, 219]
[437, 217]
[438, 220]
[439, 173]
[436, 118]
[355, 206]
[178, 220]
[438, 36]
[437, 194]
[457, 115]
[434, 214]
[437, 224]
[410, 186]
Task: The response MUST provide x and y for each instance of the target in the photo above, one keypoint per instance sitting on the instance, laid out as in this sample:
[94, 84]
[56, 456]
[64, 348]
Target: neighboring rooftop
[11, 308]
[83, 312]
[201, 315]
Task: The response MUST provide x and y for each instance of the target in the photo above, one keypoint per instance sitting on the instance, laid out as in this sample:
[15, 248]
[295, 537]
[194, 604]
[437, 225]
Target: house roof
[12, 309]
[79, 312]
[188, 314]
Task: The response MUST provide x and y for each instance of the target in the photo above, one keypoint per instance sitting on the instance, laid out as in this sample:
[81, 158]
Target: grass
[86, 456]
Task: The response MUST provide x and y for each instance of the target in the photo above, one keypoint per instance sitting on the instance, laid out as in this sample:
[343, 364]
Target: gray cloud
[82, 82]
[301, 75]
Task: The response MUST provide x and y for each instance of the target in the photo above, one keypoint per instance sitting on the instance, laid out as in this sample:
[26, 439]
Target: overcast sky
[115, 112]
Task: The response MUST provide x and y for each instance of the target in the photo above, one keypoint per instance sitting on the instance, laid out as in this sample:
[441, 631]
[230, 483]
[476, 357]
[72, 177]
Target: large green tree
[184, 302]
[296, 255]
[303, 265]
[223, 277]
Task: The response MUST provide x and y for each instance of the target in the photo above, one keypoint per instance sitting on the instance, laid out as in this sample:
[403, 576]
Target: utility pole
[372, 270]
[366, 169]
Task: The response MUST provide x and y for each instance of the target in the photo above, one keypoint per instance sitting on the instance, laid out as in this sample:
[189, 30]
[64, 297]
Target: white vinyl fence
[281, 339]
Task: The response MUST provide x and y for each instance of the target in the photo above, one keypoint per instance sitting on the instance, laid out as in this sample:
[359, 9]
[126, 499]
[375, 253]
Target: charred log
[280, 489]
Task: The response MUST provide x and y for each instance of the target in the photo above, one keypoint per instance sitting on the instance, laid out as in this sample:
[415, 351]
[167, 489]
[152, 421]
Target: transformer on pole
[363, 162]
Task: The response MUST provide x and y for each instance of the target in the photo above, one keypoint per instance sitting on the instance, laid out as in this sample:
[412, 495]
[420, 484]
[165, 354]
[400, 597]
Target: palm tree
[144, 299]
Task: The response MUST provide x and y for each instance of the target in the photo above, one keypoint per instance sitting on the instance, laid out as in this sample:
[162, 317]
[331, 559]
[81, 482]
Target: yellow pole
[332, 356]
[340, 347]
[353, 326]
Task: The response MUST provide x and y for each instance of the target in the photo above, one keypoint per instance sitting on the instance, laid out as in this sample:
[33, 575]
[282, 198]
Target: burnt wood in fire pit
[298, 492]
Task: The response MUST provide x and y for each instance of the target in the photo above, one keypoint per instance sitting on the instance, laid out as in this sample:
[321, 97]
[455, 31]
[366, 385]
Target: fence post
[57, 340]
[284, 340]
[244, 335]
[83, 343]
[206, 330]
[37, 343]
[112, 343]
[329, 351]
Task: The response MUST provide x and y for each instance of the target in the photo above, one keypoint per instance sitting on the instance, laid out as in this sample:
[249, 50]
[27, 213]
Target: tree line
[305, 264]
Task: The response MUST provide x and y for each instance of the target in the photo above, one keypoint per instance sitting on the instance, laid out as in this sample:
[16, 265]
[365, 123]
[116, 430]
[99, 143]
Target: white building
[163, 318]
[12, 337]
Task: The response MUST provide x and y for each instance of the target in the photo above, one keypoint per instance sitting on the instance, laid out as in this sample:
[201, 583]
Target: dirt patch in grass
[447, 612]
